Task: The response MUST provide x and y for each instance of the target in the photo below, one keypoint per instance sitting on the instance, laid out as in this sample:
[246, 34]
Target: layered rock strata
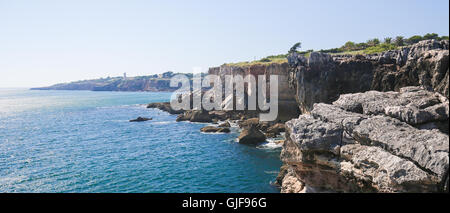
[369, 142]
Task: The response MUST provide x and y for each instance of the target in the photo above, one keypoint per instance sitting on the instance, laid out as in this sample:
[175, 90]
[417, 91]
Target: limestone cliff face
[287, 107]
[321, 78]
[373, 123]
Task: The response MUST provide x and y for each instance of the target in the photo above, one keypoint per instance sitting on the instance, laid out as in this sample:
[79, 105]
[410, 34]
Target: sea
[82, 141]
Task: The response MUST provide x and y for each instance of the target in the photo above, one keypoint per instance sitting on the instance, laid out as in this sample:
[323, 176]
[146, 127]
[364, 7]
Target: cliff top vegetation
[372, 46]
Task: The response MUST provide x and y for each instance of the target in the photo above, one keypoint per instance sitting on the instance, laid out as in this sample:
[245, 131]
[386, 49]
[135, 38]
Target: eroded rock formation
[287, 105]
[369, 142]
[321, 78]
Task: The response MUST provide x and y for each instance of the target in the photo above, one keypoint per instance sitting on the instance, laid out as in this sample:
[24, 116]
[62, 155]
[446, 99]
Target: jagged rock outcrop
[164, 106]
[321, 78]
[195, 116]
[368, 142]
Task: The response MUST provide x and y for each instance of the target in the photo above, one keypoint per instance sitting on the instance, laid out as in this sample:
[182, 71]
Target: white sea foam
[213, 133]
[273, 143]
[164, 122]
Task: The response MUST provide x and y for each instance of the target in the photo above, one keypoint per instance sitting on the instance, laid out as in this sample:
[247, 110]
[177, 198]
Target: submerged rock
[141, 119]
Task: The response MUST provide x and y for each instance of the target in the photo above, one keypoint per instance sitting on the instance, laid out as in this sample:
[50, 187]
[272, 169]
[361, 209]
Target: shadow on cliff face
[321, 78]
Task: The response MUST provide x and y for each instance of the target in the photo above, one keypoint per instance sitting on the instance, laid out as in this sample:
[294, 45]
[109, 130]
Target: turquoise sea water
[81, 141]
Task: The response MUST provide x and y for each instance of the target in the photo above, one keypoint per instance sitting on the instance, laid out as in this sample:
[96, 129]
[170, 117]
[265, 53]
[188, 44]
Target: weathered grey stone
[321, 78]
[385, 172]
[412, 105]
[335, 114]
[315, 135]
[332, 149]
[354, 102]
[427, 148]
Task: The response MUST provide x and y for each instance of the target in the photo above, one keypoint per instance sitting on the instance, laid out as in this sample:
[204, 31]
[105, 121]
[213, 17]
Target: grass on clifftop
[275, 59]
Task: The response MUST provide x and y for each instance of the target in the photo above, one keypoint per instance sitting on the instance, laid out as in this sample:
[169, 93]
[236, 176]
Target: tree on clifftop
[373, 42]
[399, 41]
[294, 48]
[430, 36]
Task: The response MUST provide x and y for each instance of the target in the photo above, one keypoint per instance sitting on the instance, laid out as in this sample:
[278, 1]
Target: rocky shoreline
[353, 123]
[253, 132]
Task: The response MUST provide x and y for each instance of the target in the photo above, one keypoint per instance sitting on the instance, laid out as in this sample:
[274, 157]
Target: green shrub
[430, 36]
[414, 39]
[379, 48]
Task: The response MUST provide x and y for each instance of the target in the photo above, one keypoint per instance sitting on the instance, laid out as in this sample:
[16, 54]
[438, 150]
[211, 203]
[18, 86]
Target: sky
[46, 42]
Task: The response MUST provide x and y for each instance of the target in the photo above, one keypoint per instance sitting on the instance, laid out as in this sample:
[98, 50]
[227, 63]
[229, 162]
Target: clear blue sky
[47, 42]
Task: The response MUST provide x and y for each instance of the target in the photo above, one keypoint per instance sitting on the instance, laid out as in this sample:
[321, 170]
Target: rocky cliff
[369, 142]
[373, 123]
[287, 105]
[322, 77]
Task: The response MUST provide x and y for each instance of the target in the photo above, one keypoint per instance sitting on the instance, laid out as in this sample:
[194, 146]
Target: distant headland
[151, 83]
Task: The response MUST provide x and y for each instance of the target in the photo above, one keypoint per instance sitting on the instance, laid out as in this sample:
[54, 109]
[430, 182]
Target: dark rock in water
[369, 142]
[141, 119]
[276, 129]
[263, 126]
[213, 129]
[164, 106]
[226, 124]
[270, 135]
[251, 136]
[249, 122]
[195, 116]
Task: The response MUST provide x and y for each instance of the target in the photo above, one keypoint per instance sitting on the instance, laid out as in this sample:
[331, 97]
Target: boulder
[200, 116]
[251, 136]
